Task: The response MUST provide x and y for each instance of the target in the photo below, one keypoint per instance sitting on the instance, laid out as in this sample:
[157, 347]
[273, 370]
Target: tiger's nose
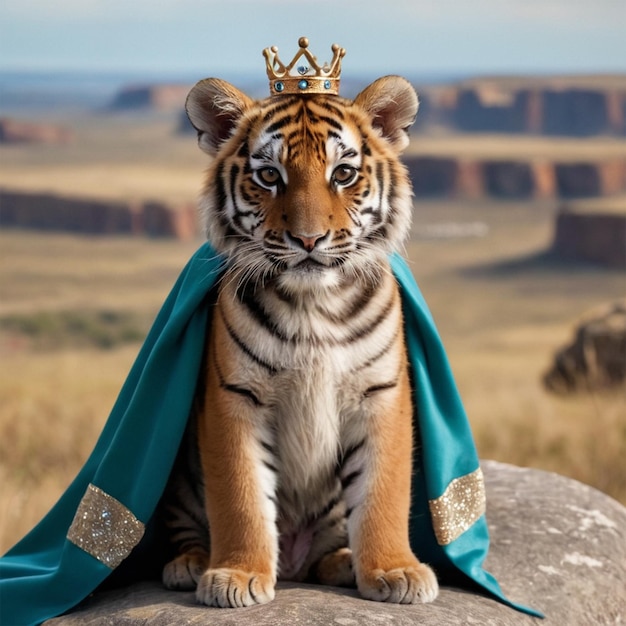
[308, 242]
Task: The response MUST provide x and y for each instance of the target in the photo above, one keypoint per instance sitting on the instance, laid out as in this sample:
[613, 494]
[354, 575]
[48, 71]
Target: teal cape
[46, 574]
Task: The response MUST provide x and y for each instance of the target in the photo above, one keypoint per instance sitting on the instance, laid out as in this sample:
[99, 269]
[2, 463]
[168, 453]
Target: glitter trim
[462, 503]
[104, 528]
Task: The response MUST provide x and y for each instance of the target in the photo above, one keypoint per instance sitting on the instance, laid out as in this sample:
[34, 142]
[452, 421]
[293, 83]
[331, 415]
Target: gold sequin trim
[462, 503]
[104, 528]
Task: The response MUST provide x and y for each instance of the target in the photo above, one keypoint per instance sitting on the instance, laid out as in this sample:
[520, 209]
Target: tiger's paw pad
[407, 585]
[234, 588]
[184, 572]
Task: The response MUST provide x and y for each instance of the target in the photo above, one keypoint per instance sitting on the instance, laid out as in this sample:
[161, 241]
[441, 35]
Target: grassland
[502, 307]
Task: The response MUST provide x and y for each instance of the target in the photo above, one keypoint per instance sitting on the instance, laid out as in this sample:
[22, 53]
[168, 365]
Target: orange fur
[238, 534]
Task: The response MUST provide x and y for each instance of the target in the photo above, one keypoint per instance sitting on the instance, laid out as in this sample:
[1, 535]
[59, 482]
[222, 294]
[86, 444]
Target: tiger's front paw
[404, 585]
[336, 569]
[184, 572]
[234, 588]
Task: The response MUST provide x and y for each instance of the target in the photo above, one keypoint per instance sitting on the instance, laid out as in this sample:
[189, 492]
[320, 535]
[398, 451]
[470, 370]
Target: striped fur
[304, 427]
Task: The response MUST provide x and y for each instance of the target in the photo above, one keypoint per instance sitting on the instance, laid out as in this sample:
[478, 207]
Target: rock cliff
[553, 106]
[21, 131]
[592, 231]
[51, 212]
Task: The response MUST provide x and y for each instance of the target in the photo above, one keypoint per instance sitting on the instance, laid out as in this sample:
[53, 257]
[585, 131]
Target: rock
[89, 216]
[592, 231]
[491, 108]
[516, 178]
[551, 106]
[432, 176]
[596, 357]
[557, 545]
[160, 97]
[20, 131]
[576, 112]
[509, 179]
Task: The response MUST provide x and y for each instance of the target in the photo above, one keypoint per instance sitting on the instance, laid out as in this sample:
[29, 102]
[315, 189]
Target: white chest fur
[310, 363]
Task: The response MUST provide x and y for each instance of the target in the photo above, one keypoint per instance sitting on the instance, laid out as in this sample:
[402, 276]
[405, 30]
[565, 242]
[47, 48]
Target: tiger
[297, 463]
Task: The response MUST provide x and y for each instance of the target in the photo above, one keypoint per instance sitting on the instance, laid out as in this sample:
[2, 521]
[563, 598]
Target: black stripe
[357, 305]
[381, 387]
[325, 104]
[346, 481]
[246, 296]
[243, 151]
[242, 391]
[278, 124]
[393, 185]
[375, 213]
[282, 106]
[331, 504]
[244, 348]
[286, 296]
[369, 329]
[271, 467]
[234, 172]
[239, 214]
[332, 122]
[378, 234]
[380, 353]
[329, 507]
[220, 192]
[351, 451]
[354, 215]
[381, 181]
[269, 447]
[264, 153]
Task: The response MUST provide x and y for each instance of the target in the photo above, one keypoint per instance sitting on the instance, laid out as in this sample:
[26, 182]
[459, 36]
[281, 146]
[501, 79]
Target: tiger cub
[304, 432]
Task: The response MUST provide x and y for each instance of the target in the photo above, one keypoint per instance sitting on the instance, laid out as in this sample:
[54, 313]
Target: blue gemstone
[326, 84]
[302, 70]
[303, 84]
[279, 86]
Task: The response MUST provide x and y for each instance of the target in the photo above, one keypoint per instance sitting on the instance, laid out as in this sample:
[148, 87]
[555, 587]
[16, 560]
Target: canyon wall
[514, 179]
[592, 231]
[21, 131]
[50, 212]
[158, 97]
[552, 107]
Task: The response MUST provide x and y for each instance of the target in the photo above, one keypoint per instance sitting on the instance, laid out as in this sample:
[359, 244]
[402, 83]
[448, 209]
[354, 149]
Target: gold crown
[309, 78]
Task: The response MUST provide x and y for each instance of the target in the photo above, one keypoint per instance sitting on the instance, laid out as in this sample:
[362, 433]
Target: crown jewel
[309, 77]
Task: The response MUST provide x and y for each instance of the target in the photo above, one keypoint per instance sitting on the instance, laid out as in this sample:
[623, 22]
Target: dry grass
[523, 147]
[52, 408]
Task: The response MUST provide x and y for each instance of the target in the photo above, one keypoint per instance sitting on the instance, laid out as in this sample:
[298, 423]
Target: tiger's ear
[214, 107]
[392, 104]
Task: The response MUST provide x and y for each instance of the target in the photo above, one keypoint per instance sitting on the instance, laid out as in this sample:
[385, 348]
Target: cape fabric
[51, 570]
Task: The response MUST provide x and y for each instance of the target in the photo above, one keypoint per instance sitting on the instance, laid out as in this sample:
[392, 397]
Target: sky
[451, 37]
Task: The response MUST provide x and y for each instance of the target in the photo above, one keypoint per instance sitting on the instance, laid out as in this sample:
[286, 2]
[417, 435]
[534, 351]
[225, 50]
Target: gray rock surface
[557, 545]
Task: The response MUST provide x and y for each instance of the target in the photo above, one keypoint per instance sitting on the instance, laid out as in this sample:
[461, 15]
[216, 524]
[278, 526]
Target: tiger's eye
[344, 175]
[269, 176]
